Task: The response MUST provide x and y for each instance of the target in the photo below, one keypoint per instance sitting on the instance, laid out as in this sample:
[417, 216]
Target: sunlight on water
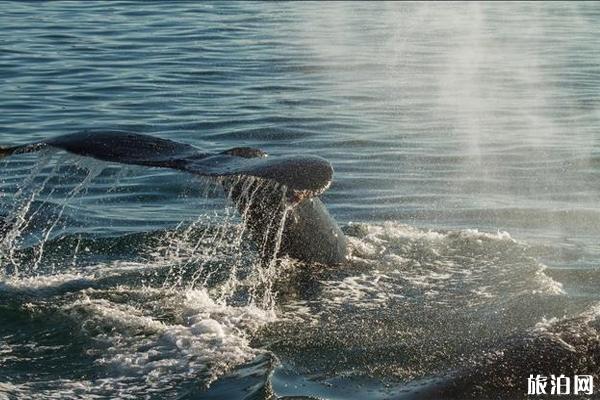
[464, 138]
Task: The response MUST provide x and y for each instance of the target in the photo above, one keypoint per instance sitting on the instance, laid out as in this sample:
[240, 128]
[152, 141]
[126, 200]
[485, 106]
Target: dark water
[465, 142]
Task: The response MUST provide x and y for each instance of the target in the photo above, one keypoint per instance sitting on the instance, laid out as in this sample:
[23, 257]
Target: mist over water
[465, 146]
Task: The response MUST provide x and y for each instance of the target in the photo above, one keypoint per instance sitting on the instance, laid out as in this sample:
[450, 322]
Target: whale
[282, 187]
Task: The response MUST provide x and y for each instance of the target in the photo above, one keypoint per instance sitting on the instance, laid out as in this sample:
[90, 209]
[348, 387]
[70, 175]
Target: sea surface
[465, 139]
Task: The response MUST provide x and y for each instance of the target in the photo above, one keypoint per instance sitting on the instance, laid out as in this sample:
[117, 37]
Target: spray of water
[212, 252]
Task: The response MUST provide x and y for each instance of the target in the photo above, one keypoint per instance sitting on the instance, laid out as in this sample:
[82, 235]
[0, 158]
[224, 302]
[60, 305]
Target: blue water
[464, 138]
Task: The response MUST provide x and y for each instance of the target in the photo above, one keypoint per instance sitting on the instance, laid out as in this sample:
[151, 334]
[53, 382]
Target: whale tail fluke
[309, 234]
[305, 176]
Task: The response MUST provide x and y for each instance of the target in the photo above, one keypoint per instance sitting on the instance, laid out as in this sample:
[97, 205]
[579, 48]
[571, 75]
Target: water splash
[33, 215]
[16, 222]
[212, 252]
[183, 309]
[217, 251]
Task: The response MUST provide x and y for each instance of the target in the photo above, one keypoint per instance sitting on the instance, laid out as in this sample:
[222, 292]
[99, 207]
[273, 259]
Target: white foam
[465, 268]
[205, 340]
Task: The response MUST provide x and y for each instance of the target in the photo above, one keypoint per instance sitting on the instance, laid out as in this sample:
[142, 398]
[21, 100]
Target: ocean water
[465, 143]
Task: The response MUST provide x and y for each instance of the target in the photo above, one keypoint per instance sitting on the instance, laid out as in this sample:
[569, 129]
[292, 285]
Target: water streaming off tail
[31, 220]
[212, 250]
[233, 251]
[155, 307]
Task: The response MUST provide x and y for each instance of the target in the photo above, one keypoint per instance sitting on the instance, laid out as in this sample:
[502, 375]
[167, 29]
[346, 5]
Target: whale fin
[308, 175]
